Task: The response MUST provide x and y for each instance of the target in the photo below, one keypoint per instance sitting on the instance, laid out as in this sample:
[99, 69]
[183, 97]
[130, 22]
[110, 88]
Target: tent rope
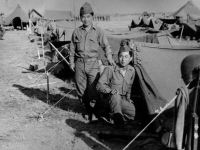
[162, 110]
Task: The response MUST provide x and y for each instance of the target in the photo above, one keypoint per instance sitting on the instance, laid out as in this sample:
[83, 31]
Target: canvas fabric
[18, 12]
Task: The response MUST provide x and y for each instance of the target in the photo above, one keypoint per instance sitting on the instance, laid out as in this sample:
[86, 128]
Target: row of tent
[53, 15]
[48, 14]
[186, 17]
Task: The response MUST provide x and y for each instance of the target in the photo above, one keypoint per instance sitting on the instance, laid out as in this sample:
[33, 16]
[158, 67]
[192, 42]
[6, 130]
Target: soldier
[84, 47]
[116, 82]
[184, 123]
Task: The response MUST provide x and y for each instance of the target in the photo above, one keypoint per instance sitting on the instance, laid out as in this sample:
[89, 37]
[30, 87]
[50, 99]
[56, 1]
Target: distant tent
[144, 22]
[18, 16]
[169, 21]
[63, 29]
[133, 24]
[189, 10]
[57, 15]
[34, 16]
[191, 29]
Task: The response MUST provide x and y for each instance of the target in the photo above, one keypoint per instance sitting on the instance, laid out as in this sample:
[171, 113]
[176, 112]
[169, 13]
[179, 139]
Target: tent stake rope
[168, 104]
[41, 116]
[53, 67]
[163, 109]
[59, 53]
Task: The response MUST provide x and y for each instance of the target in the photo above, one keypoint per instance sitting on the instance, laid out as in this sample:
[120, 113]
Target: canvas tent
[33, 15]
[17, 17]
[157, 67]
[65, 29]
[189, 10]
[57, 15]
[191, 29]
[144, 22]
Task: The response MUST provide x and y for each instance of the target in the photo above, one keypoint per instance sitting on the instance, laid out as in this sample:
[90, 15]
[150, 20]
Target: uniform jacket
[112, 78]
[86, 44]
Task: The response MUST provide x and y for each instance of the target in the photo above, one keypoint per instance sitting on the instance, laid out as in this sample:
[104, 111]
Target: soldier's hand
[110, 60]
[114, 91]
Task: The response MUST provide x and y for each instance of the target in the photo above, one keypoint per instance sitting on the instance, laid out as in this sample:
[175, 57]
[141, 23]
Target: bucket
[33, 67]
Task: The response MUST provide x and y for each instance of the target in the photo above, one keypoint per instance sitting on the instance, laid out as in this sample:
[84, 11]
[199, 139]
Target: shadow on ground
[68, 104]
[89, 134]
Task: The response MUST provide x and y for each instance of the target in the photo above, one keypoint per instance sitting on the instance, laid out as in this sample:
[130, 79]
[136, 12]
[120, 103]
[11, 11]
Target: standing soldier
[84, 48]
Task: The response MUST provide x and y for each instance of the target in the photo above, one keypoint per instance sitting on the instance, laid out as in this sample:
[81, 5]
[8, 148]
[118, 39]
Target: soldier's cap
[86, 9]
[124, 47]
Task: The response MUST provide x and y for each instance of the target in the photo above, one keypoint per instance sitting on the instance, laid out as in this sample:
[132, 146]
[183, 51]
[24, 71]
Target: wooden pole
[46, 72]
[21, 24]
[47, 75]
[74, 12]
[181, 33]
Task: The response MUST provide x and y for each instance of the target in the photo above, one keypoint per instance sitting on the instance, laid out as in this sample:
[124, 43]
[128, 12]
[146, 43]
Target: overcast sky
[99, 6]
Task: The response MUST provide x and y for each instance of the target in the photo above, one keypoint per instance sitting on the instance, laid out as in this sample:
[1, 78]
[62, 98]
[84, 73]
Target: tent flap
[152, 97]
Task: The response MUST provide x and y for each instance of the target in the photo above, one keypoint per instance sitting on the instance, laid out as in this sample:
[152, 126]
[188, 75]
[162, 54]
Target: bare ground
[22, 100]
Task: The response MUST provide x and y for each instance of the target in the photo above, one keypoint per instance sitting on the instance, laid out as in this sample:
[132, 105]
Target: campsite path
[22, 100]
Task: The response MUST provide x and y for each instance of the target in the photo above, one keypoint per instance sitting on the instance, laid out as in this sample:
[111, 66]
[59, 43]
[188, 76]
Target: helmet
[188, 64]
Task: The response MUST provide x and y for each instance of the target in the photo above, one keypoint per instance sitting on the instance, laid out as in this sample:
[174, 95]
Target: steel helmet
[187, 66]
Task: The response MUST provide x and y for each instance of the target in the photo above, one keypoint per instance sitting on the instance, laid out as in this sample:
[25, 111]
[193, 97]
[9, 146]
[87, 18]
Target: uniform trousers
[86, 76]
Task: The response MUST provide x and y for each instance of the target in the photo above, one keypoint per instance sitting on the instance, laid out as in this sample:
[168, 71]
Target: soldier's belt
[86, 59]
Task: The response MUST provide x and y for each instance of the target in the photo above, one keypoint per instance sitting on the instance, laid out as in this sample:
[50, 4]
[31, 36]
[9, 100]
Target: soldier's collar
[92, 27]
[117, 68]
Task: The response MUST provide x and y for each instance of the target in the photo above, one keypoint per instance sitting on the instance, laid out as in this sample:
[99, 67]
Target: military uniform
[84, 53]
[120, 104]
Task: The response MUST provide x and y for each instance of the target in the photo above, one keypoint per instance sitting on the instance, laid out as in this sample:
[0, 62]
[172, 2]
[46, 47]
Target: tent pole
[46, 72]
[29, 20]
[74, 12]
[181, 33]
[21, 24]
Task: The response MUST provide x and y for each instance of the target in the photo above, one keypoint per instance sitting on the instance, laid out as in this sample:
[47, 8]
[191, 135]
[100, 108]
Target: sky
[99, 6]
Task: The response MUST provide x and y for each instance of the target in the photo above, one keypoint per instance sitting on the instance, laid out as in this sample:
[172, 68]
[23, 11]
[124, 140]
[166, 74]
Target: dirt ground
[23, 97]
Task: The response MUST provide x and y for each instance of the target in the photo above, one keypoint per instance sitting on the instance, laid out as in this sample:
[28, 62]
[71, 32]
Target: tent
[144, 22]
[65, 29]
[157, 65]
[191, 29]
[17, 17]
[57, 15]
[189, 10]
[34, 15]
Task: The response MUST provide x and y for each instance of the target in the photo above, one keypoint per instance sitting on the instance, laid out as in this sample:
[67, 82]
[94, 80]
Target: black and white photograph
[99, 74]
